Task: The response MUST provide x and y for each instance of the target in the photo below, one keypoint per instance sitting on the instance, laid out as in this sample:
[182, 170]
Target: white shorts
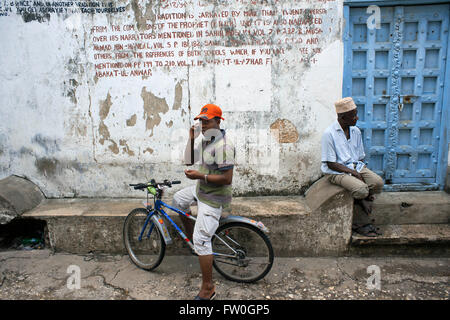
[207, 218]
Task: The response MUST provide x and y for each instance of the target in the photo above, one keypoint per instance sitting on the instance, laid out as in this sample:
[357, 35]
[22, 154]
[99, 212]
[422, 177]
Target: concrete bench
[317, 224]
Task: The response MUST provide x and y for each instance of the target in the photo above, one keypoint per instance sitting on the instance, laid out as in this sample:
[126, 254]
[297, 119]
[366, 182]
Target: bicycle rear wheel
[242, 252]
[146, 247]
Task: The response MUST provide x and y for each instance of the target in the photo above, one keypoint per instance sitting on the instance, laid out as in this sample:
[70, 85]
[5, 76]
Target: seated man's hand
[357, 175]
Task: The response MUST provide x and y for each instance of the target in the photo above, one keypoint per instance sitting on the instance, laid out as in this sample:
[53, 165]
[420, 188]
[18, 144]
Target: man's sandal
[376, 230]
[210, 298]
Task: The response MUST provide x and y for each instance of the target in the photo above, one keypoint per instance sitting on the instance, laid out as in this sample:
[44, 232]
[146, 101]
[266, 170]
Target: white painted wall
[75, 134]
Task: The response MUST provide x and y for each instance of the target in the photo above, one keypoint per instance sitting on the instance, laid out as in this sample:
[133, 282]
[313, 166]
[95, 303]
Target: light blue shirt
[336, 148]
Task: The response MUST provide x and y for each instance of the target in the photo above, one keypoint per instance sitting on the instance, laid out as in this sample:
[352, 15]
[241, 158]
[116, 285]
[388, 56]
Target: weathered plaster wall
[76, 132]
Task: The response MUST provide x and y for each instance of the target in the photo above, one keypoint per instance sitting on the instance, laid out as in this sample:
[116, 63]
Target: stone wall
[99, 94]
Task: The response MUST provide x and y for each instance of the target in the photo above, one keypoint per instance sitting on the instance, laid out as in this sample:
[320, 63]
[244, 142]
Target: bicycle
[241, 248]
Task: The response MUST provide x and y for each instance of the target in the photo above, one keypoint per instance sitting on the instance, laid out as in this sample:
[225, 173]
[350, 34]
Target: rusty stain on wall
[284, 131]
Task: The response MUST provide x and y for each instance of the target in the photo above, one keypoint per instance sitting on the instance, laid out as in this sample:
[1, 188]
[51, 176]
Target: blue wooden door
[395, 73]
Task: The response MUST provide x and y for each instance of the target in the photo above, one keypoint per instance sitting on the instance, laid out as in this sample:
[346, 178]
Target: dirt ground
[40, 274]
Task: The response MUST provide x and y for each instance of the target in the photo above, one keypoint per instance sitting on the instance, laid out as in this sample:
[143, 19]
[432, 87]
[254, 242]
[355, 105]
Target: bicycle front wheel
[144, 243]
[242, 252]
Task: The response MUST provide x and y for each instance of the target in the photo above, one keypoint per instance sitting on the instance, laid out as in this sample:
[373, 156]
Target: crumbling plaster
[77, 135]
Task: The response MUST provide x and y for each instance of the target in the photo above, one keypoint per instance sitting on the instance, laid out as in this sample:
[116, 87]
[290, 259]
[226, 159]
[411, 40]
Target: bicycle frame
[159, 204]
[155, 216]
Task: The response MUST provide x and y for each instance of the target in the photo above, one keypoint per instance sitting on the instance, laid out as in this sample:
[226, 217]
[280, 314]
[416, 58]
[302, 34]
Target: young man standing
[212, 192]
[342, 160]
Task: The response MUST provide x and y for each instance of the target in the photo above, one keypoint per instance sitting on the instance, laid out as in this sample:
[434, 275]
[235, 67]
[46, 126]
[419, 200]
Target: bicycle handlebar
[139, 186]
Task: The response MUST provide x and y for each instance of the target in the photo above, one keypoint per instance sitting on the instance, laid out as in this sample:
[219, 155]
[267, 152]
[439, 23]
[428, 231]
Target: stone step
[398, 208]
[407, 234]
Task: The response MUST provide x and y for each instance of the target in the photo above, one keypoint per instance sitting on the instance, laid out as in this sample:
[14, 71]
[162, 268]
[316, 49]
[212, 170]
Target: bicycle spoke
[228, 237]
[225, 243]
[252, 252]
[224, 255]
[226, 262]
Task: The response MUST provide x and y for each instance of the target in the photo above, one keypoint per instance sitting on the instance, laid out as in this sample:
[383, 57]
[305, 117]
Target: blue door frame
[444, 141]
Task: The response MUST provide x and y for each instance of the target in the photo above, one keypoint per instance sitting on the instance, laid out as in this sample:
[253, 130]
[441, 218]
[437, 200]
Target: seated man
[342, 161]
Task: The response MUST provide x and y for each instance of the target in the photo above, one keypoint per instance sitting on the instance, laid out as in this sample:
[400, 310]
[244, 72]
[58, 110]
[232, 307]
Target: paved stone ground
[39, 274]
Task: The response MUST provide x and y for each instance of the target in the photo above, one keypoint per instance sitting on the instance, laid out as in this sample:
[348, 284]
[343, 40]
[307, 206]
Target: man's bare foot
[365, 204]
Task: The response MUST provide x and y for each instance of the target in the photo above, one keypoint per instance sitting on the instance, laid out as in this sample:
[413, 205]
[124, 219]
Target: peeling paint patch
[104, 132]
[77, 127]
[113, 147]
[153, 106]
[126, 148]
[148, 150]
[132, 121]
[178, 97]
[141, 19]
[105, 107]
[284, 131]
[169, 124]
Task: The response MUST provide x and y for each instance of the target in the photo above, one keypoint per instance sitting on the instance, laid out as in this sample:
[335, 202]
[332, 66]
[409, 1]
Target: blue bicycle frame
[155, 216]
[157, 213]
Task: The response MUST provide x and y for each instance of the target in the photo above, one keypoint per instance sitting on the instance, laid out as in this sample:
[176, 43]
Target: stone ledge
[407, 234]
[395, 208]
[95, 225]
[321, 192]
[17, 195]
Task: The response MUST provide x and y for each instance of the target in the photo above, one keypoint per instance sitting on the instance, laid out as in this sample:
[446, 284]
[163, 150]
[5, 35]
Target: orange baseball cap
[210, 111]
